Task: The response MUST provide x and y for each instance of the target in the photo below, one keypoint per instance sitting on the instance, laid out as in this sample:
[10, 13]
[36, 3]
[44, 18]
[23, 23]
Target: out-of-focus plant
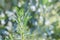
[43, 25]
[22, 19]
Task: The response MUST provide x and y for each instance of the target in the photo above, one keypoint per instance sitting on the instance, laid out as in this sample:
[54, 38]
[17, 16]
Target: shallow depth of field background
[29, 19]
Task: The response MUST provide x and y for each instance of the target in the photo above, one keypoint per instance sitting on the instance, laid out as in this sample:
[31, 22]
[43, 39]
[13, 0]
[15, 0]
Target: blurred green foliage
[30, 19]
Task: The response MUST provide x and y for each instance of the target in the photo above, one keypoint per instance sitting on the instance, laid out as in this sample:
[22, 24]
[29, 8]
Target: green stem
[10, 36]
